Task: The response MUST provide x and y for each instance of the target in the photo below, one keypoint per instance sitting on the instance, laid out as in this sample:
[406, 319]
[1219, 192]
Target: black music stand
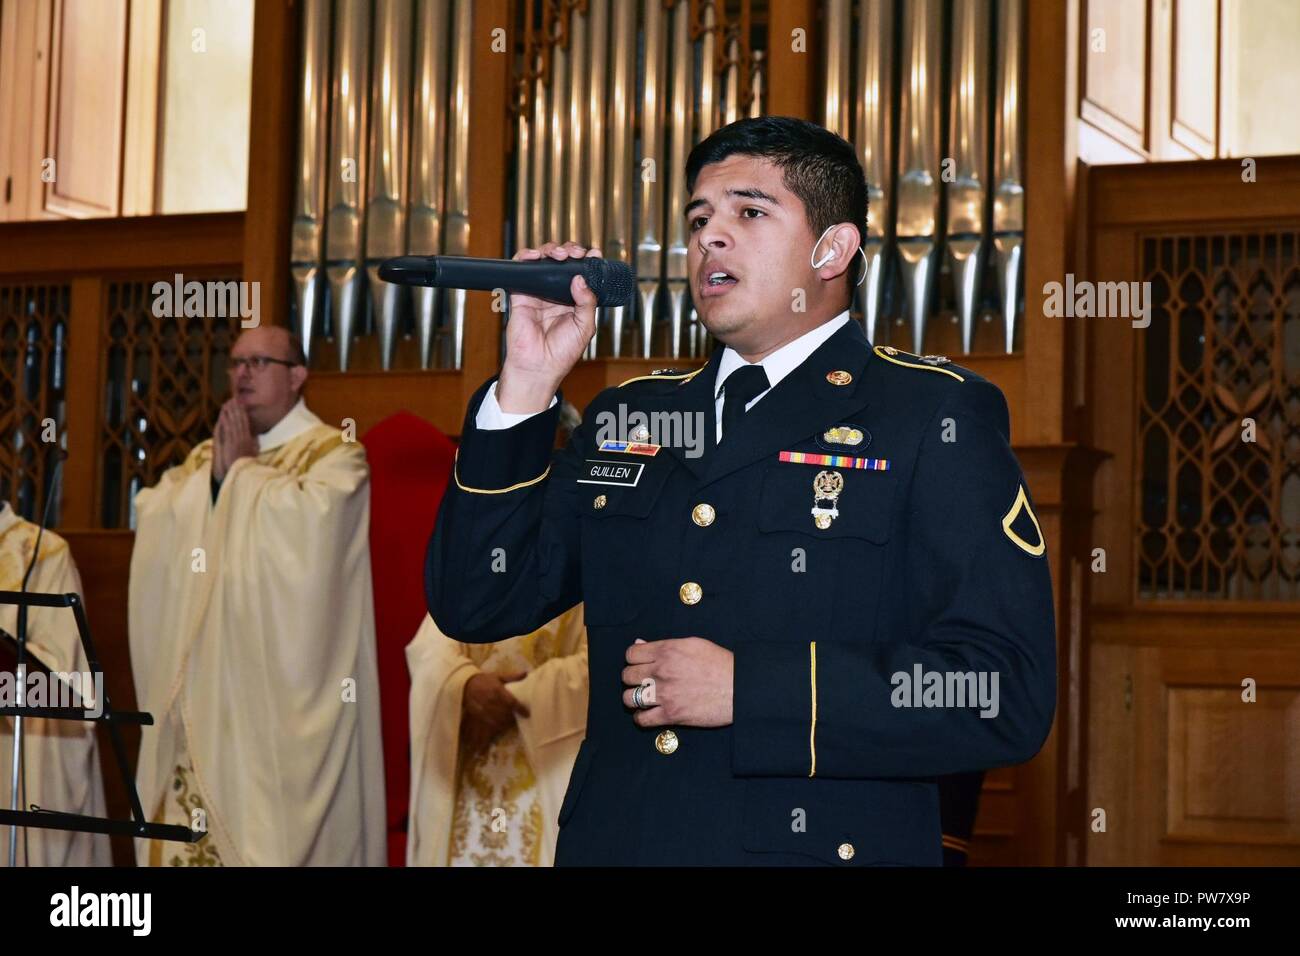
[137, 826]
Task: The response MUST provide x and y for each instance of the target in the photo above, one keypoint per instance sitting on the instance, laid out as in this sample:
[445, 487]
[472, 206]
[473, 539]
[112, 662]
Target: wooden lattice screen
[33, 366]
[1218, 438]
[165, 381]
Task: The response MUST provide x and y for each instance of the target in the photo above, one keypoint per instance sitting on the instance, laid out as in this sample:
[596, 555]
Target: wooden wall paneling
[1113, 94]
[1125, 201]
[1160, 86]
[87, 107]
[1192, 624]
[1079, 334]
[38, 146]
[791, 88]
[1119, 745]
[24, 98]
[1194, 77]
[370, 397]
[489, 126]
[14, 121]
[1113, 370]
[272, 149]
[1231, 770]
[1229, 92]
[86, 368]
[1211, 782]
[994, 842]
[40, 143]
[1050, 169]
[103, 558]
[1188, 773]
[1038, 781]
[137, 243]
[1157, 194]
[1112, 743]
[1071, 825]
[1150, 757]
[140, 138]
[1097, 147]
[1073, 570]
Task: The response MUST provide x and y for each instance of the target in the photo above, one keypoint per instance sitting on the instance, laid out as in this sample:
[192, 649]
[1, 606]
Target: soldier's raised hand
[544, 340]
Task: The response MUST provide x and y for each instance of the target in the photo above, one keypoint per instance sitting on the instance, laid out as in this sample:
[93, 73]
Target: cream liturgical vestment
[497, 807]
[253, 645]
[61, 757]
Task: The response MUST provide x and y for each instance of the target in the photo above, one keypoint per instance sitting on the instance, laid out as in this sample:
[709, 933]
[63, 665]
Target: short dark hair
[819, 167]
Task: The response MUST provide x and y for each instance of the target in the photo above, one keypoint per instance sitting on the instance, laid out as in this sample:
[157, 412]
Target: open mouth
[717, 282]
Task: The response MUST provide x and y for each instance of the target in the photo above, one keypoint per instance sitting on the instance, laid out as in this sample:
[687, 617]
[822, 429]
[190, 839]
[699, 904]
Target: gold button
[666, 742]
[703, 515]
[600, 502]
[690, 593]
[839, 377]
[845, 851]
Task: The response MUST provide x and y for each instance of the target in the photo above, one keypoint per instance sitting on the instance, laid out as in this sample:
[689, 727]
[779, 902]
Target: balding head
[267, 394]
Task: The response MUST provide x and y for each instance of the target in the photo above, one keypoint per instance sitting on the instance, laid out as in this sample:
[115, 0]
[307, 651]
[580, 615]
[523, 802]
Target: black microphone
[612, 281]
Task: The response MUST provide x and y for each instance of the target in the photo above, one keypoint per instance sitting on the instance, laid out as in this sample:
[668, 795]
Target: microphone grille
[611, 280]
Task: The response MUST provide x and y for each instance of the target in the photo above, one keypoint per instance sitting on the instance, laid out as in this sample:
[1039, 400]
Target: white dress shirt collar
[296, 421]
[784, 360]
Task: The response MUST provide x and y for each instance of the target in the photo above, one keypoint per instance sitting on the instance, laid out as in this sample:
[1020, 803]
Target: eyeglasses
[256, 363]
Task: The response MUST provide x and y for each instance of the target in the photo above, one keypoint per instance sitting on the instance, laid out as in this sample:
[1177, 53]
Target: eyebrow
[749, 192]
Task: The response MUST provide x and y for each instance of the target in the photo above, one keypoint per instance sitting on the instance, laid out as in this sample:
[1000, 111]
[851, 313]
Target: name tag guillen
[599, 472]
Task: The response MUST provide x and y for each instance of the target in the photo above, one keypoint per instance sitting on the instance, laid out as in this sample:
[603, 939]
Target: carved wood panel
[1218, 441]
[33, 367]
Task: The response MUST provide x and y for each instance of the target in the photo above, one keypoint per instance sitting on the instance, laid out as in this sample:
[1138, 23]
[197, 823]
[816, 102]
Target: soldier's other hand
[690, 682]
[544, 340]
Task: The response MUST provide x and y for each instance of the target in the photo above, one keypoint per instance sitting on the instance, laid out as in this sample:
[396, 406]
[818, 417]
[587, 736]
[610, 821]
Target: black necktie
[739, 389]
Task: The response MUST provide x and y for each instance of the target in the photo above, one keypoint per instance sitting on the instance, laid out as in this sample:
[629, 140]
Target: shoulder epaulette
[665, 375]
[928, 363]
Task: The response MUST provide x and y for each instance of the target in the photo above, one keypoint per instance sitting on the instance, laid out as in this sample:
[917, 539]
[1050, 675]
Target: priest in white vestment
[253, 637]
[495, 729]
[61, 759]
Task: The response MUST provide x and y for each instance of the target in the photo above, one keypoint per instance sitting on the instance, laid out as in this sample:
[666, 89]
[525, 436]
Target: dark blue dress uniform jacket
[934, 565]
